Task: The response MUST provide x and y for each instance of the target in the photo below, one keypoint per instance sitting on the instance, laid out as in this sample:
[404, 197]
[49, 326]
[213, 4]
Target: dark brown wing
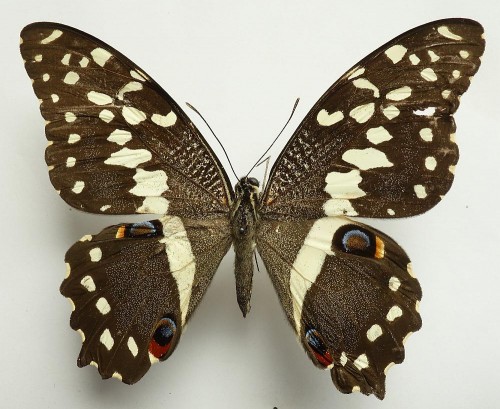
[380, 142]
[118, 143]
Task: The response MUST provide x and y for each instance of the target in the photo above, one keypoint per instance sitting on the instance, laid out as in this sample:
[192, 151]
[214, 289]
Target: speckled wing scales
[380, 142]
[348, 291]
[118, 143]
[134, 286]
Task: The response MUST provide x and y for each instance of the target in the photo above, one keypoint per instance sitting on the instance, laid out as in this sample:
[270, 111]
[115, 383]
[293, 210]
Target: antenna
[275, 139]
[215, 136]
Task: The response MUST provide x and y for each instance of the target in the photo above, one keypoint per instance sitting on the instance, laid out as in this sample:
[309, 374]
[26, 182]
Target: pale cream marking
[82, 334]
[464, 54]
[426, 134]
[71, 303]
[363, 83]
[100, 56]
[389, 366]
[342, 186]
[65, 59]
[106, 115]
[130, 87]
[78, 187]
[446, 93]
[430, 162]
[119, 136]
[451, 168]
[95, 254]
[94, 364]
[70, 162]
[137, 75]
[343, 358]
[133, 115]
[326, 119]
[50, 167]
[99, 98]
[38, 57]
[154, 205]
[391, 212]
[50, 143]
[70, 117]
[374, 332]
[391, 112]
[399, 94]
[361, 362]
[309, 261]
[417, 306]
[73, 138]
[117, 375]
[84, 62]
[88, 283]
[362, 113]
[148, 183]
[54, 97]
[409, 269]
[130, 158]
[368, 158]
[414, 59]
[452, 138]
[21, 40]
[405, 339]
[106, 339]
[53, 36]
[396, 53]
[45, 77]
[428, 74]
[356, 388]
[420, 191]
[152, 358]
[68, 270]
[87, 237]
[445, 32]
[132, 346]
[335, 207]
[164, 120]
[433, 55]
[356, 73]
[180, 259]
[394, 283]
[378, 135]
[103, 306]
[394, 312]
[71, 78]
[456, 74]
[104, 208]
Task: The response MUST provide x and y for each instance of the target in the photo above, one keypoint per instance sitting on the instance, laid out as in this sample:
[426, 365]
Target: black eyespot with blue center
[146, 229]
[356, 240]
[161, 342]
[317, 346]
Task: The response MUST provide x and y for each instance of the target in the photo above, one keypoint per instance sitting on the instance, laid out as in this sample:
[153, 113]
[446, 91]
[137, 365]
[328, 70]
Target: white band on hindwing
[180, 259]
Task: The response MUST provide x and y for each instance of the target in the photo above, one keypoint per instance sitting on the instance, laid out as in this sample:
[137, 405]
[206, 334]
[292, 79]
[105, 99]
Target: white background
[243, 64]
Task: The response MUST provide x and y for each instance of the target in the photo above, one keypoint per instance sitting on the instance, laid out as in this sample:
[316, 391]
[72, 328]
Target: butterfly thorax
[244, 221]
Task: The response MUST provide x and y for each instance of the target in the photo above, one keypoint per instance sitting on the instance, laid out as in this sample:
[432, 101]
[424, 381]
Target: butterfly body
[379, 143]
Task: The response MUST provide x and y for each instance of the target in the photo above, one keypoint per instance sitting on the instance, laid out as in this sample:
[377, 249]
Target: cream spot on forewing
[396, 53]
[54, 98]
[428, 74]
[70, 117]
[71, 78]
[103, 306]
[446, 93]
[456, 74]
[133, 115]
[154, 205]
[137, 75]
[420, 191]
[390, 112]
[389, 366]
[148, 183]
[164, 120]
[399, 94]
[87, 237]
[451, 168]
[68, 270]
[38, 57]
[343, 358]
[394, 283]
[342, 186]
[132, 346]
[426, 134]
[464, 54]
[66, 58]
[378, 135]
[95, 254]
[78, 187]
[130, 158]
[53, 36]
[363, 83]
[452, 138]
[106, 339]
[433, 55]
[82, 334]
[88, 283]
[356, 73]
[391, 212]
[180, 259]
[445, 32]
[407, 336]
[45, 77]
[417, 306]
[106, 115]
[119, 136]
[100, 56]
[374, 332]
[70, 162]
[130, 87]
[99, 98]
[309, 261]
[409, 269]
[414, 59]
[362, 113]
[73, 138]
[361, 362]
[368, 158]
[326, 119]
[430, 162]
[104, 208]
[394, 312]
[84, 62]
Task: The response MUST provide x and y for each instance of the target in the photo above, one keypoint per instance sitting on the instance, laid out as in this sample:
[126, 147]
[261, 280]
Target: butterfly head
[247, 186]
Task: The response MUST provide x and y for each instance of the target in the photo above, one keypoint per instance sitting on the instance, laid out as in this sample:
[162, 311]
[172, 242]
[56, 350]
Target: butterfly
[379, 143]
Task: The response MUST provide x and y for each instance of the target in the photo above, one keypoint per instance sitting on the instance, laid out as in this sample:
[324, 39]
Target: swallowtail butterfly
[379, 143]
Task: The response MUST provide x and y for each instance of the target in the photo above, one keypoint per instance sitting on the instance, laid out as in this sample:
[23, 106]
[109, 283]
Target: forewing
[134, 286]
[118, 143]
[380, 142]
[349, 293]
